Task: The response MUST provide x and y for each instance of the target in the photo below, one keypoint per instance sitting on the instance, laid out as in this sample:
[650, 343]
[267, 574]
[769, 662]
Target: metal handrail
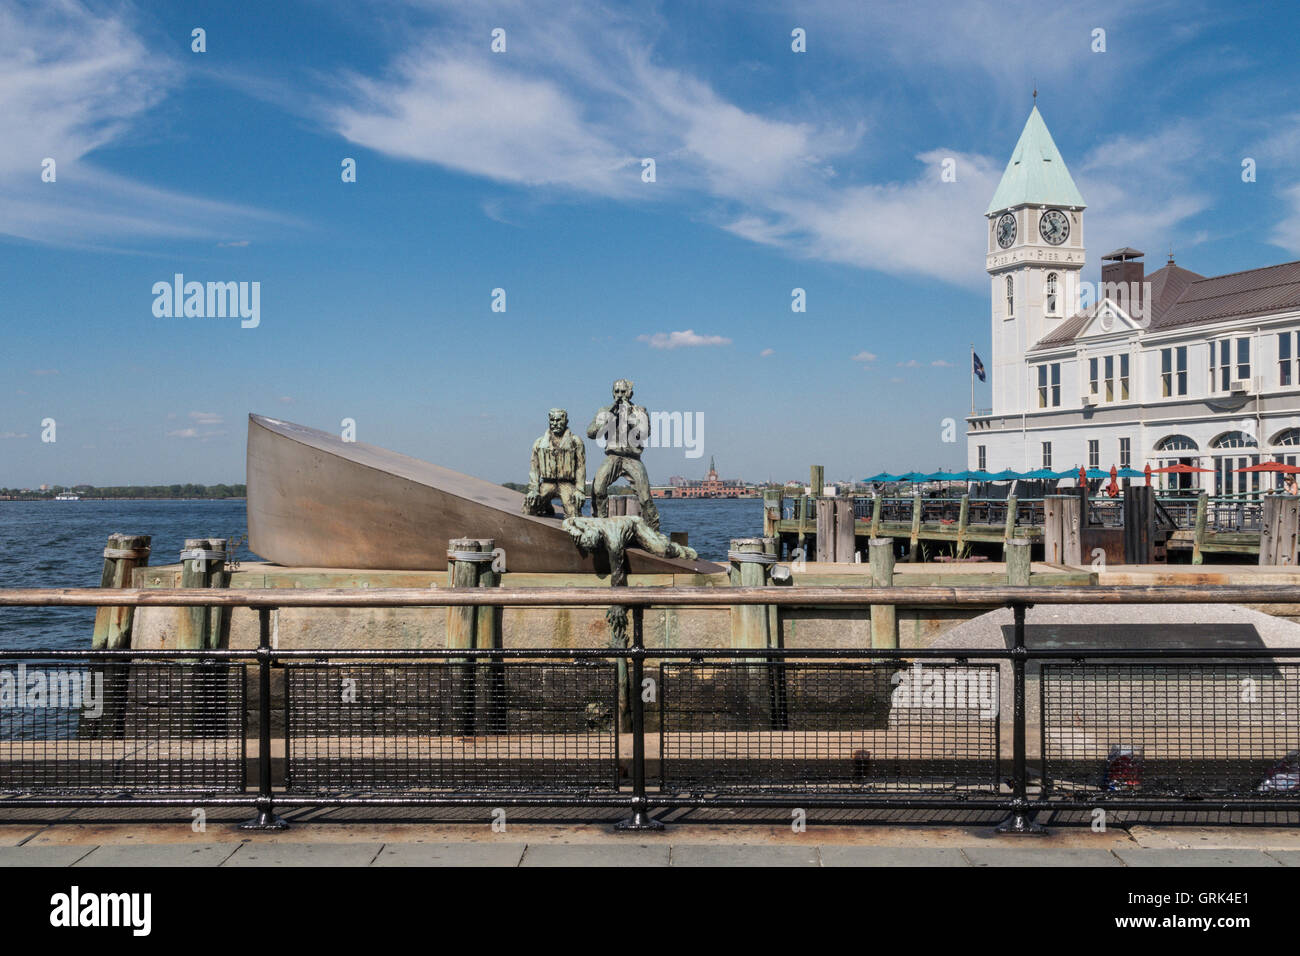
[975, 596]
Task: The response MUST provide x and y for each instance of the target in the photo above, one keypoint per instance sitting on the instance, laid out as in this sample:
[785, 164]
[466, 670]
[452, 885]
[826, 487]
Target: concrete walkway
[170, 844]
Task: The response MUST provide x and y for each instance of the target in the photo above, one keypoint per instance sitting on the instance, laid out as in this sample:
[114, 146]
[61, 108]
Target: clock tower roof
[1036, 173]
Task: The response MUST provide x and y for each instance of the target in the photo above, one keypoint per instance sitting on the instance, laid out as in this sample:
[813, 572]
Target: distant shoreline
[127, 498]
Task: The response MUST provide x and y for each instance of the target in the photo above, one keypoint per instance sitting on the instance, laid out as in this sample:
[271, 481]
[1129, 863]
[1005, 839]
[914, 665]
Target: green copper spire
[1036, 173]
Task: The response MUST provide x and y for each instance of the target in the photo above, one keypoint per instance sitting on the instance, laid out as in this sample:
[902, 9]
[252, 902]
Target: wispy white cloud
[206, 418]
[678, 340]
[865, 357]
[74, 79]
[767, 352]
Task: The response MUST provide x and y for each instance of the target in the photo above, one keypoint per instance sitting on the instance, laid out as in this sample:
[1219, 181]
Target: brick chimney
[1122, 273]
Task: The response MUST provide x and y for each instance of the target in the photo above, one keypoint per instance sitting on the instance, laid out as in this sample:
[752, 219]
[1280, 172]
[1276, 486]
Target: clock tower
[1035, 257]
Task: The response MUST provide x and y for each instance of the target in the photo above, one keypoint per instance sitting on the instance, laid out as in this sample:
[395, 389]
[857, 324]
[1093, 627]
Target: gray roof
[1181, 297]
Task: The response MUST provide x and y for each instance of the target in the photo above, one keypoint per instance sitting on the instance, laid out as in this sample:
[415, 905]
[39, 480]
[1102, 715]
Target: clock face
[1006, 230]
[1054, 227]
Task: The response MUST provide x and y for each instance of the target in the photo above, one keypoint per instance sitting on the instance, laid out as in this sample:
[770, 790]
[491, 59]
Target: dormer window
[1011, 296]
[1053, 298]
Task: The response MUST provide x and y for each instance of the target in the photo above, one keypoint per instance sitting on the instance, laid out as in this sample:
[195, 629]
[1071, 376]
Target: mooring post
[1022, 816]
[751, 561]
[884, 617]
[914, 550]
[1198, 535]
[203, 565]
[487, 636]
[266, 818]
[1009, 532]
[467, 561]
[640, 818]
[122, 555]
[1018, 562]
[876, 503]
[817, 480]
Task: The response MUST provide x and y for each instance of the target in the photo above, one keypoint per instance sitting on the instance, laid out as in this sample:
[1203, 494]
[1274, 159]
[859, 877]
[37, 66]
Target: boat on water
[315, 500]
[67, 496]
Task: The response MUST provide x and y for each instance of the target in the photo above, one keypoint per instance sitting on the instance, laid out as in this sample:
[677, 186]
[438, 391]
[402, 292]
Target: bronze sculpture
[626, 430]
[558, 469]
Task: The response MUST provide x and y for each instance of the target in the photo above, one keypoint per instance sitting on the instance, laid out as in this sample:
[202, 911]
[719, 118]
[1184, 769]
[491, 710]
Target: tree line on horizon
[130, 491]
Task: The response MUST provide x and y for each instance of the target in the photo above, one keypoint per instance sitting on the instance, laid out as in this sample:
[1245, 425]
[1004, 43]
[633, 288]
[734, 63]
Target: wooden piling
[1062, 541]
[884, 617]
[203, 565]
[475, 627]
[963, 519]
[914, 550]
[1009, 532]
[826, 537]
[122, 555]
[1279, 530]
[772, 506]
[876, 504]
[817, 480]
[846, 541]
[1198, 535]
[1018, 565]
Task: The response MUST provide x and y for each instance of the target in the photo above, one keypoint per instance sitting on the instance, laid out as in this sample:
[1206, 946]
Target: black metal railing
[893, 729]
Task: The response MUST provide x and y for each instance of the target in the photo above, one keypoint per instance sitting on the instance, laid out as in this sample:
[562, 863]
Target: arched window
[1011, 296]
[1176, 443]
[1234, 440]
[1290, 436]
[1052, 297]
[1228, 477]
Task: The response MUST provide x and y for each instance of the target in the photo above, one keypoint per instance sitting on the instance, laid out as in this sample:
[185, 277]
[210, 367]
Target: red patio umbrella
[1148, 472]
[1280, 467]
[1179, 470]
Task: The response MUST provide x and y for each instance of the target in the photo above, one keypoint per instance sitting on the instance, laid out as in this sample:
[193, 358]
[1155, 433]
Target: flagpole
[972, 379]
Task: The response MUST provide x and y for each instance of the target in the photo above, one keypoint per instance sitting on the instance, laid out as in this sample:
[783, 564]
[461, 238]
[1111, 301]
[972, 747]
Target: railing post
[1198, 533]
[640, 818]
[266, 818]
[1022, 815]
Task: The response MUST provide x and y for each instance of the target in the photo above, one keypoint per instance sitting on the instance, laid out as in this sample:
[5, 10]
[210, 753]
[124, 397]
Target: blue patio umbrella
[1040, 473]
[1130, 473]
[963, 476]
[979, 476]
[1006, 474]
[1068, 473]
[1095, 473]
[912, 476]
[883, 476]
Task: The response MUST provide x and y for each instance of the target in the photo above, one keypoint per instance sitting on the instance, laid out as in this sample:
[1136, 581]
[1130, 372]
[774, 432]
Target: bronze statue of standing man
[626, 430]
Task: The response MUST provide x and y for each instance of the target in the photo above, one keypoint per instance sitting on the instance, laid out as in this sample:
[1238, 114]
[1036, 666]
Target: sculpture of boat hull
[315, 500]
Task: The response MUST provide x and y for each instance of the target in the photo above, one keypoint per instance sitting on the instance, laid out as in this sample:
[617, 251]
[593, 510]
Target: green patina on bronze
[558, 469]
[626, 430]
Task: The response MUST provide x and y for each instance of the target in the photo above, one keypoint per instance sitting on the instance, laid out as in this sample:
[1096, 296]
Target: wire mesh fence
[517, 726]
[822, 726]
[130, 726]
[1183, 729]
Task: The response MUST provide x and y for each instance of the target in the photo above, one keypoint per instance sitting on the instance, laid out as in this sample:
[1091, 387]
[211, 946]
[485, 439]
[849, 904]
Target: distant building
[711, 487]
[1162, 368]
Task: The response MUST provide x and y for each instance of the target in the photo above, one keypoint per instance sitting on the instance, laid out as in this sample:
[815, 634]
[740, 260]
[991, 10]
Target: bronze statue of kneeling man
[558, 470]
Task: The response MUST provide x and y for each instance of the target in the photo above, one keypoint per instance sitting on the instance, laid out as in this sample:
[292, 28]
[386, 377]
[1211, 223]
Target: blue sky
[522, 170]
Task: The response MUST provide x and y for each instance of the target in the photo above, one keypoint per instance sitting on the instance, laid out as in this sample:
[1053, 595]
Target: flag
[977, 366]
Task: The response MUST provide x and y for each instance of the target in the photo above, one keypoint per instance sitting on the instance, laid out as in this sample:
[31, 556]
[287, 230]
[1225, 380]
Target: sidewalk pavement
[460, 844]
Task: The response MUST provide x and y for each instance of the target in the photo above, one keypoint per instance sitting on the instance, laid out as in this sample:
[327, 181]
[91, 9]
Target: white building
[1162, 368]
